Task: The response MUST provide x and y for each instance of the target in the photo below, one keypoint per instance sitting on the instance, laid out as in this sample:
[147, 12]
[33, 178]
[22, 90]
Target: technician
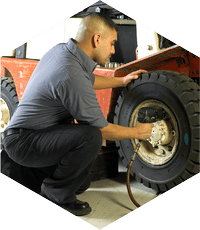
[41, 132]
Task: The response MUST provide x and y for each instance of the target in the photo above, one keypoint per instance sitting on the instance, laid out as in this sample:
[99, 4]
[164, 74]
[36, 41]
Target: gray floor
[110, 201]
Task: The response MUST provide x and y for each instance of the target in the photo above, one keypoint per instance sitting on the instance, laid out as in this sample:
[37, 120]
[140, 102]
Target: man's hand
[115, 132]
[102, 82]
[132, 76]
[144, 130]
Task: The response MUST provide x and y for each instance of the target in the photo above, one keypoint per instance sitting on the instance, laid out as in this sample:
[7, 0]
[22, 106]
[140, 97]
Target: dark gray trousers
[69, 150]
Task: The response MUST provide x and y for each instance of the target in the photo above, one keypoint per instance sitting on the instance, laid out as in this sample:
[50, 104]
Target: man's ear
[96, 40]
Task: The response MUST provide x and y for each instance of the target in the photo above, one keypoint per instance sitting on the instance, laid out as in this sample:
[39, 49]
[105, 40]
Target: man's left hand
[132, 76]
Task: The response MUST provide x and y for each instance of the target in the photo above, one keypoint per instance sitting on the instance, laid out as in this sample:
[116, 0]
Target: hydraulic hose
[128, 176]
[145, 115]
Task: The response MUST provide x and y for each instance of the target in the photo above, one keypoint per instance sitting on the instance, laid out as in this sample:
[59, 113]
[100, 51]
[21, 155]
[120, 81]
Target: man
[41, 132]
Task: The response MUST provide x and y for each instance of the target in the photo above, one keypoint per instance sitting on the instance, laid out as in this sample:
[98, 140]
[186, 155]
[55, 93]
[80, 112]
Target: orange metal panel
[174, 58]
[194, 63]
[104, 96]
[104, 99]
[20, 70]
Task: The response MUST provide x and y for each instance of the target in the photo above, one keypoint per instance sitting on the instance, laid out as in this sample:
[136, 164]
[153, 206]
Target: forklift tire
[9, 101]
[161, 165]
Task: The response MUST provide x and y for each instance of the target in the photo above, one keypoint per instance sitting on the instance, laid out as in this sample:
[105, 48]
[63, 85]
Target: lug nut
[162, 152]
[169, 148]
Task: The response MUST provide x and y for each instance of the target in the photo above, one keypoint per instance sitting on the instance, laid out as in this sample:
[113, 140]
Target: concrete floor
[110, 201]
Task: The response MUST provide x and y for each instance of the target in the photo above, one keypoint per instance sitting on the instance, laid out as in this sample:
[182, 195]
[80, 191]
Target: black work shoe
[78, 208]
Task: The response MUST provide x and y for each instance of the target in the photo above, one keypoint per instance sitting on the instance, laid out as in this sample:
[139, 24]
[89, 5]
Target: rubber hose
[128, 177]
[128, 184]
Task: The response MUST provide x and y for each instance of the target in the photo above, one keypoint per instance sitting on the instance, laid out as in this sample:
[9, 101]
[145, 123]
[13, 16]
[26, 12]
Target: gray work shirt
[60, 89]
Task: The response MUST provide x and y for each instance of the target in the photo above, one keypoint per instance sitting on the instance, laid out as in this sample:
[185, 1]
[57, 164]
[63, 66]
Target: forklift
[171, 155]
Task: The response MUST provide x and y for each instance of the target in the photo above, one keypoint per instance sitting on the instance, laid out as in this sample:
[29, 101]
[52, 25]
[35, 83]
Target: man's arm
[102, 82]
[114, 132]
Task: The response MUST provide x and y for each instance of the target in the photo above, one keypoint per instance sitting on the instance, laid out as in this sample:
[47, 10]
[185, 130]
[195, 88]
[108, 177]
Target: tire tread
[188, 93]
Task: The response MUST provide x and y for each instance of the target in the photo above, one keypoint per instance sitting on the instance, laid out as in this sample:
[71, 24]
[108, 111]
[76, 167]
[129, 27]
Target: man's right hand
[144, 130]
[114, 132]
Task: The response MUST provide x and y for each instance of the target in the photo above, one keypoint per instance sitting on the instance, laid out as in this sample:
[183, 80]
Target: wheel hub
[4, 115]
[162, 133]
[162, 145]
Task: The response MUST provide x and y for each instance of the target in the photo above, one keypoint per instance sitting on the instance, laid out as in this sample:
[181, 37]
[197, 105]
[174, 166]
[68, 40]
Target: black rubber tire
[9, 94]
[181, 94]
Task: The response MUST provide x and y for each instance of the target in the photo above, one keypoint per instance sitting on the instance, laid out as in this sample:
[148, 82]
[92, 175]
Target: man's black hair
[108, 21]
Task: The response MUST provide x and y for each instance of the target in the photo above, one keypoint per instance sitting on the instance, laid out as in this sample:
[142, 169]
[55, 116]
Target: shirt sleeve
[78, 96]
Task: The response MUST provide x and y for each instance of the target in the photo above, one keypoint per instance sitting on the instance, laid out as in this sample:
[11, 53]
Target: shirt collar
[88, 63]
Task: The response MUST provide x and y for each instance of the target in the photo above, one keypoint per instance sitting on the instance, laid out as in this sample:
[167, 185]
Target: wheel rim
[4, 115]
[163, 143]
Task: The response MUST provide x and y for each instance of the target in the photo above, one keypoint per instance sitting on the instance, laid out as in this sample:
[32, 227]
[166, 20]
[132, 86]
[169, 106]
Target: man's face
[107, 47]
